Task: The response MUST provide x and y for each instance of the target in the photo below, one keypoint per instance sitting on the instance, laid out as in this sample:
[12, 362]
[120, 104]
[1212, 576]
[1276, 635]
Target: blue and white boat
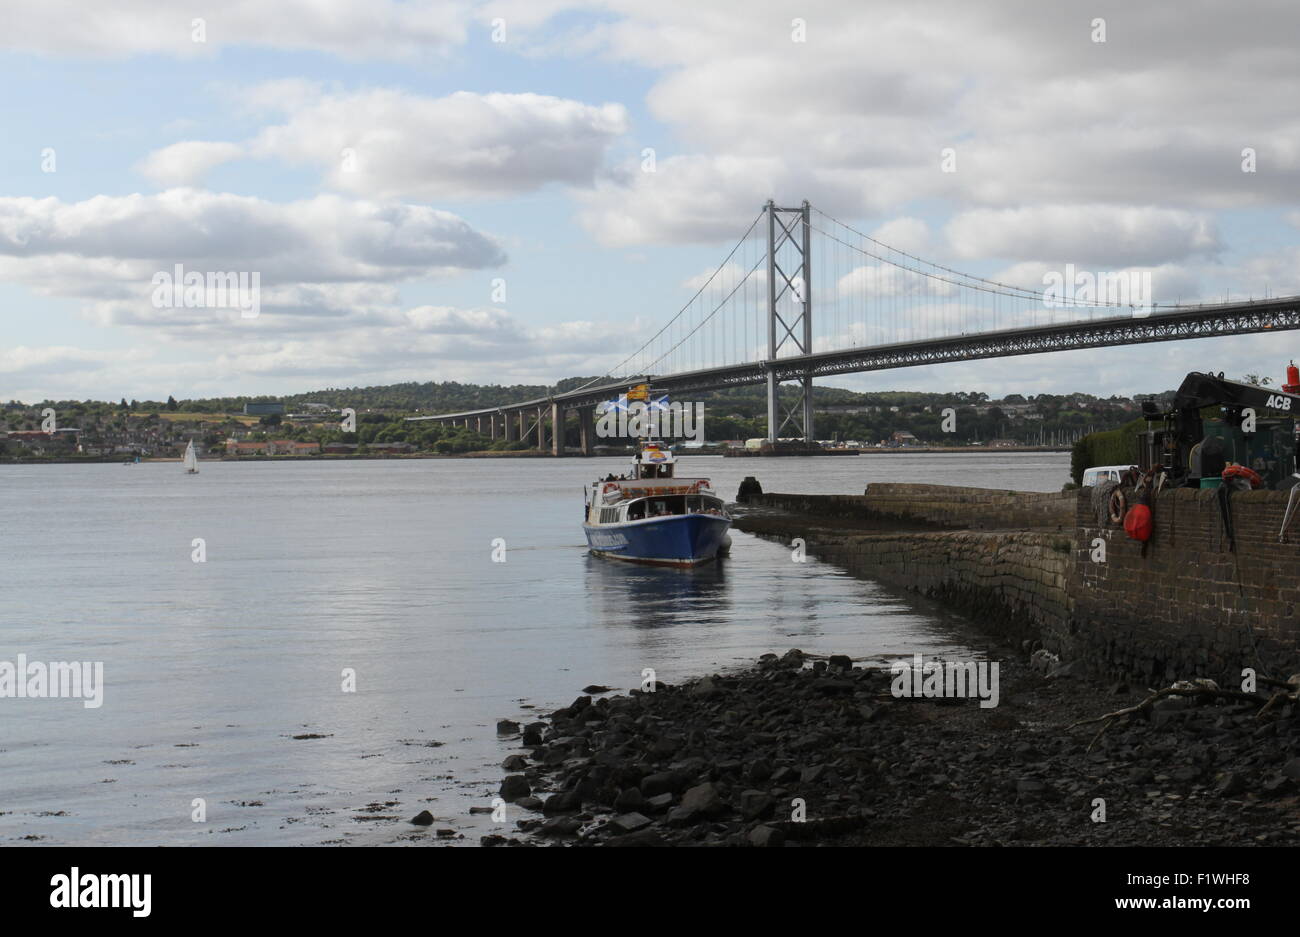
[651, 516]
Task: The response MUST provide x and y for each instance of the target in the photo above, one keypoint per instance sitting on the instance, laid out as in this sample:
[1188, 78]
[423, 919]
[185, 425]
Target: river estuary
[224, 680]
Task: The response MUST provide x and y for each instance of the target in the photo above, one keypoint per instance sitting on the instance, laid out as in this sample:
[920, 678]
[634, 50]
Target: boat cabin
[650, 490]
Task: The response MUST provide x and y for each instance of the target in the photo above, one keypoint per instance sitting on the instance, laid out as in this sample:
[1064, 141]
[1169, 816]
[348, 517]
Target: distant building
[339, 448]
[271, 447]
[263, 409]
[41, 443]
[391, 447]
[904, 438]
[237, 447]
[292, 447]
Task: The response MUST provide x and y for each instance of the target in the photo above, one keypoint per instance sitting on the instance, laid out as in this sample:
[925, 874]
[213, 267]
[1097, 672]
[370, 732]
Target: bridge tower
[789, 314]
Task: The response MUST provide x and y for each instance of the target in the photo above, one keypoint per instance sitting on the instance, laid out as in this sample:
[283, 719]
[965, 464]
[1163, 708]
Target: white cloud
[350, 29]
[321, 239]
[1114, 235]
[188, 162]
[24, 360]
[890, 280]
[389, 144]
[856, 117]
[905, 234]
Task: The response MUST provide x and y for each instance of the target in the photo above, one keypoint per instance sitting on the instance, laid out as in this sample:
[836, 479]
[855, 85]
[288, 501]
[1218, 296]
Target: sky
[431, 191]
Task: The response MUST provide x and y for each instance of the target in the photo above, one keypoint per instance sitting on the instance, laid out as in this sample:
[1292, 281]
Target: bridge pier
[541, 429]
[587, 429]
[557, 429]
[511, 426]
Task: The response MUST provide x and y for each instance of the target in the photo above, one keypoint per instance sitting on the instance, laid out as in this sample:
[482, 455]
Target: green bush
[1113, 447]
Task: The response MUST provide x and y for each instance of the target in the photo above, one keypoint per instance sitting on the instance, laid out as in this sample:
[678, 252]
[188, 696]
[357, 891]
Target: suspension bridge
[751, 321]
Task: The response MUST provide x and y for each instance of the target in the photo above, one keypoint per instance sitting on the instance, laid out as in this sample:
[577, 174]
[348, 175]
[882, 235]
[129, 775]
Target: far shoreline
[497, 454]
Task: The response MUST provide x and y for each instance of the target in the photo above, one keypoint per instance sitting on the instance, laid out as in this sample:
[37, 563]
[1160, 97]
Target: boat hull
[682, 540]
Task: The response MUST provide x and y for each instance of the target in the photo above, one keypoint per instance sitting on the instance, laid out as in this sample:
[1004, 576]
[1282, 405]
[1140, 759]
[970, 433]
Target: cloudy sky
[459, 190]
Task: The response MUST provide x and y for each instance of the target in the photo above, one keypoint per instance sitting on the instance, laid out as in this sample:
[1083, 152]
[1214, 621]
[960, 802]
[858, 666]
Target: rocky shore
[799, 751]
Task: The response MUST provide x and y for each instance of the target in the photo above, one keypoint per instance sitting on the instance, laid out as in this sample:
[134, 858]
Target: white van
[1100, 473]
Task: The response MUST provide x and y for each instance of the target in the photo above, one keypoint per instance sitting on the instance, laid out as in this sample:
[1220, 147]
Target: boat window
[636, 510]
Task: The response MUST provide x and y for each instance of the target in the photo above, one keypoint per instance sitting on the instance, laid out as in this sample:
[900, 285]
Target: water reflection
[658, 597]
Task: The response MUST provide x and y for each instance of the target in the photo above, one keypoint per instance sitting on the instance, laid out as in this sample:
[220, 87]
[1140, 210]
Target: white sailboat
[191, 460]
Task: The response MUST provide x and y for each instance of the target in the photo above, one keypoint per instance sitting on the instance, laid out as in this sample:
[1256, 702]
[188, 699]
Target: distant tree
[171, 403]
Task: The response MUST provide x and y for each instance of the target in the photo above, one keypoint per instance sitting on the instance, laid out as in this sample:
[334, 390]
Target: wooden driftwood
[1204, 693]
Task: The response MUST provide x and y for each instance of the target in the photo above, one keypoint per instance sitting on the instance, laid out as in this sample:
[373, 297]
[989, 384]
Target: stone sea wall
[1012, 583]
[1028, 566]
[1190, 604]
[939, 506]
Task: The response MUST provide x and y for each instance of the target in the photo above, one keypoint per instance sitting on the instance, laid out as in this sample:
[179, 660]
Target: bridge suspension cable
[618, 370]
[968, 281]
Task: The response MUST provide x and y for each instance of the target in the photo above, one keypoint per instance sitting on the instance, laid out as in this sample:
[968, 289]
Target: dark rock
[792, 659]
[698, 805]
[647, 837]
[628, 823]
[1032, 787]
[507, 727]
[704, 798]
[1230, 784]
[659, 803]
[840, 662]
[1066, 670]
[423, 818]
[766, 836]
[630, 799]
[560, 826]
[515, 763]
[813, 774]
[665, 782]
[514, 787]
[596, 688]
[756, 805]
[563, 802]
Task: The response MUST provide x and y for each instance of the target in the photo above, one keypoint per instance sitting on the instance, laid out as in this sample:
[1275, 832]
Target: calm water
[385, 568]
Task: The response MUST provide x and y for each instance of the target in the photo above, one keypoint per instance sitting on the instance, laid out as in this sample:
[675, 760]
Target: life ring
[1241, 471]
[609, 486]
[1118, 506]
